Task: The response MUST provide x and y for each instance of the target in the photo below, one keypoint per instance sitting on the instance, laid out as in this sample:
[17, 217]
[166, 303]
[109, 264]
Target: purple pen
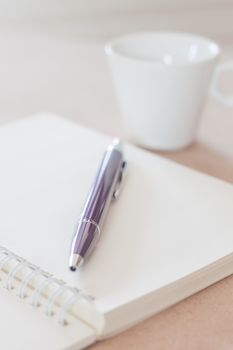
[105, 188]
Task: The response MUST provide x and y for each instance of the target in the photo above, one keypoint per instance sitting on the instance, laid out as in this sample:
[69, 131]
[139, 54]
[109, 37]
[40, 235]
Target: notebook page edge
[157, 301]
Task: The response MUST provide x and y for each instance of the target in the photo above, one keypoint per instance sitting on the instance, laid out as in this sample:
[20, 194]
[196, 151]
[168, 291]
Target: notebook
[167, 236]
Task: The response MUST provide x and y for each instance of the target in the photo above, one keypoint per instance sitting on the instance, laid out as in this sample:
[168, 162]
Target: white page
[168, 222]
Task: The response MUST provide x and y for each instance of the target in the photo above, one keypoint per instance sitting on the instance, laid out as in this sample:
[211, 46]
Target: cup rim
[110, 50]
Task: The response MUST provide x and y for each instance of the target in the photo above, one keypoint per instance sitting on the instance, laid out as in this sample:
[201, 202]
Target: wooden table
[56, 72]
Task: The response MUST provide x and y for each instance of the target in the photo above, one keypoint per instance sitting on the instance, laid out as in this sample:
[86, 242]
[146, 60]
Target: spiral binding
[11, 281]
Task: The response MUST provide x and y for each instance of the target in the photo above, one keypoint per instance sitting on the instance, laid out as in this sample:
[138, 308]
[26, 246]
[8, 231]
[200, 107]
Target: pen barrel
[103, 187]
[97, 203]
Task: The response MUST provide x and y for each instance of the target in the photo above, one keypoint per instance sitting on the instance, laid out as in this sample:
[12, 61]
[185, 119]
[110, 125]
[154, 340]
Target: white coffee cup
[161, 81]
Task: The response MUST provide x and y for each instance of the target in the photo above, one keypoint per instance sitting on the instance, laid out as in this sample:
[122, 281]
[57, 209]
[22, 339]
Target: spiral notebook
[167, 236]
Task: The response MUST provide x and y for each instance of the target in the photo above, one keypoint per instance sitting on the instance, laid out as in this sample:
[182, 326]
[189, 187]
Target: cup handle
[226, 100]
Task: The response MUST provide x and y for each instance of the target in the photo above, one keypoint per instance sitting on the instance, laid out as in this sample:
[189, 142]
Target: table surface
[60, 72]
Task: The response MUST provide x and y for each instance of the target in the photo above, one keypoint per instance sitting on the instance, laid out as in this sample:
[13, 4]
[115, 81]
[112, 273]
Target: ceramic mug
[161, 81]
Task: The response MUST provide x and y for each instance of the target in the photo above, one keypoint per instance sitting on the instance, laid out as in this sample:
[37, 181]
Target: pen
[105, 188]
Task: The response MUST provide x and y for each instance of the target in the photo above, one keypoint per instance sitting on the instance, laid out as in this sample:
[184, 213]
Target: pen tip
[72, 268]
[76, 261]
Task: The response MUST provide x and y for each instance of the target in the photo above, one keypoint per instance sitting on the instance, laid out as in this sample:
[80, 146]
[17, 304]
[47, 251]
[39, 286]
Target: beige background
[49, 68]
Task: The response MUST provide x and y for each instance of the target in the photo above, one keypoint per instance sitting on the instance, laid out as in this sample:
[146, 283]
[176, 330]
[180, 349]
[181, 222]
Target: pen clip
[120, 180]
